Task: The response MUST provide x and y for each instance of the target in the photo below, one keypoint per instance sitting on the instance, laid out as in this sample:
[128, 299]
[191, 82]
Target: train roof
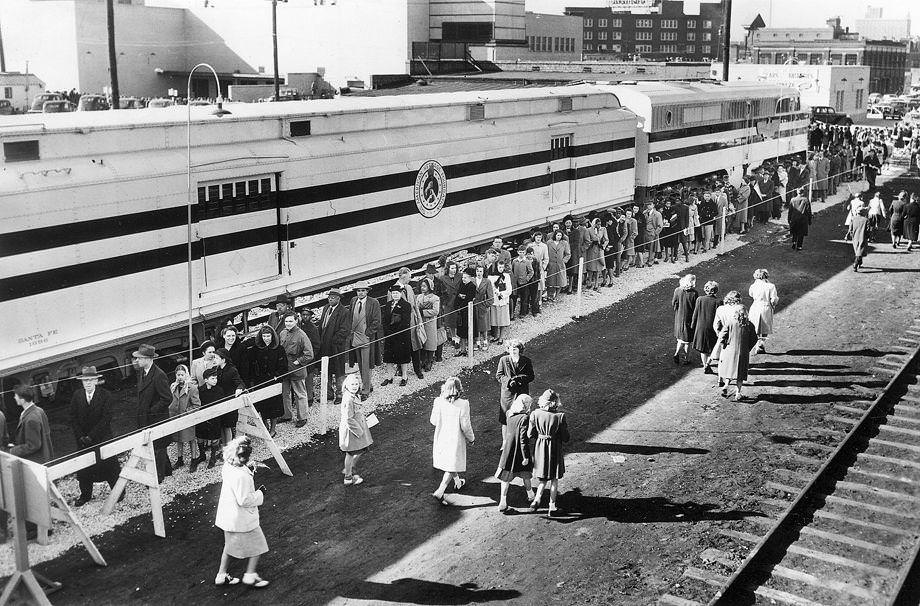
[659, 93]
[177, 115]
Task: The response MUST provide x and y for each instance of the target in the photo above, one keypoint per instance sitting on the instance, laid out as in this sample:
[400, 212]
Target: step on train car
[285, 198]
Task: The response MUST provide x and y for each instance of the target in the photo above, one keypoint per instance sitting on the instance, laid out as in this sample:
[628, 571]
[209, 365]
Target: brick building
[669, 33]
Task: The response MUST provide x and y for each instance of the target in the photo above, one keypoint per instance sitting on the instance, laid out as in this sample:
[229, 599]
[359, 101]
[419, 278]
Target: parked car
[92, 103]
[829, 115]
[888, 111]
[131, 103]
[57, 106]
[38, 103]
[157, 103]
[6, 108]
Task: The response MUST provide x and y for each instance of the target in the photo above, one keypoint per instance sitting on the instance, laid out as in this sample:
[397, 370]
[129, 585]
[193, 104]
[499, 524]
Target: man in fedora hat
[282, 306]
[153, 400]
[365, 323]
[334, 330]
[91, 420]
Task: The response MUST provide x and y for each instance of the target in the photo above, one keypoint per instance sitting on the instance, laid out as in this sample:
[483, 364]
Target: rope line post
[250, 422]
[469, 331]
[581, 279]
[324, 393]
[724, 233]
[141, 468]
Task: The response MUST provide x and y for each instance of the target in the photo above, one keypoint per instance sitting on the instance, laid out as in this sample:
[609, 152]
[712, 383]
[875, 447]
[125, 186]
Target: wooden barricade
[28, 494]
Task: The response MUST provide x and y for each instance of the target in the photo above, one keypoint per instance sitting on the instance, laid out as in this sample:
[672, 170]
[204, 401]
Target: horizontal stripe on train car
[79, 232]
[85, 273]
[708, 129]
[702, 148]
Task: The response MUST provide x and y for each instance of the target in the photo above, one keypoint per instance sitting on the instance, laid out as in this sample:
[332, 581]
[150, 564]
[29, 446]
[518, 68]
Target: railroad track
[843, 520]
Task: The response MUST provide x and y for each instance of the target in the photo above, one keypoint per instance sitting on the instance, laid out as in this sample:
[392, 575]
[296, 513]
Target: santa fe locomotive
[293, 197]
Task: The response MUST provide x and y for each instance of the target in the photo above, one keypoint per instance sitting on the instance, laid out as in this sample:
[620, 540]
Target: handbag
[442, 336]
[421, 333]
[372, 420]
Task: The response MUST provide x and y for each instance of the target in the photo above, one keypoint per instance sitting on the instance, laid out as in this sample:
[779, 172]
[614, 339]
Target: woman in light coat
[596, 238]
[482, 308]
[450, 416]
[429, 307]
[559, 255]
[547, 431]
[501, 306]
[184, 399]
[761, 314]
[354, 434]
[696, 230]
[238, 515]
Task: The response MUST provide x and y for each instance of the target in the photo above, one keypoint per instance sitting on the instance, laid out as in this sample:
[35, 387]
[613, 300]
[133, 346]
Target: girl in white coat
[450, 416]
[761, 315]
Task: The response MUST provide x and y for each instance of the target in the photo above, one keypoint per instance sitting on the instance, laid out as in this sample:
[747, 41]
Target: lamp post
[275, 45]
[219, 112]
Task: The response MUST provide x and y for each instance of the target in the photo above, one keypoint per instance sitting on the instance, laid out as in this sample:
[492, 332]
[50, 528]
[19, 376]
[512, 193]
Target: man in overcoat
[799, 218]
[33, 434]
[295, 393]
[335, 328]
[153, 400]
[91, 420]
[365, 324]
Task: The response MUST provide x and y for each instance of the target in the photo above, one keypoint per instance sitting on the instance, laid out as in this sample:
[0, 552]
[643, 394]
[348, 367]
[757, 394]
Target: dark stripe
[42, 238]
[85, 273]
[702, 148]
[708, 129]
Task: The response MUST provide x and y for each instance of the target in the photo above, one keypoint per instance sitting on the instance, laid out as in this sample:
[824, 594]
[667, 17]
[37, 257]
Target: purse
[372, 420]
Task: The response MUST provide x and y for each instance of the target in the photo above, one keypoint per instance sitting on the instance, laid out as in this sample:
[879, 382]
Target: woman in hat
[466, 294]
[184, 399]
[265, 362]
[737, 339]
[208, 433]
[354, 434]
[231, 383]
[429, 306]
[450, 286]
[238, 515]
[547, 431]
[559, 255]
[516, 461]
[450, 416]
[397, 317]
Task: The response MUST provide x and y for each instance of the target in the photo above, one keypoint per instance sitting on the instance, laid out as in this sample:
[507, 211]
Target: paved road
[657, 463]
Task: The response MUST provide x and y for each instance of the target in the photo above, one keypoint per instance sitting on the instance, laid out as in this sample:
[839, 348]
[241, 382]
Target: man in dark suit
[683, 224]
[153, 400]
[334, 331]
[365, 323]
[91, 420]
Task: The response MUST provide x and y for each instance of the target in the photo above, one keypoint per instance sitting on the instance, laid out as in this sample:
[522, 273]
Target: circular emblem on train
[430, 189]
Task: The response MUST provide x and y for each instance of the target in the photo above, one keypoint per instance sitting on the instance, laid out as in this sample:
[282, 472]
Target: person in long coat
[450, 416]
[514, 374]
[896, 222]
[91, 420]
[397, 320]
[738, 339]
[683, 301]
[265, 362]
[334, 333]
[761, 314]
[629, 242]
[799, 217]
[482, 308]
[354, 434]
[541, 254]
[415, 336]
[231, 340]
[594, 258]
[209, 432]
[231, 383]
[669, 233]
[547, 430]
[860, 230]
[559, 255]
[429, 307]
[466, 294]
[153, 400]
[912, 221]
[704, 314]
[653, 226]
[516, 460]
[184, 398]
[450, 281]
[500, 317]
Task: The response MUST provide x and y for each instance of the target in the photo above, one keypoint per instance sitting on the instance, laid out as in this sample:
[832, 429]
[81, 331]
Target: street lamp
[219, 112]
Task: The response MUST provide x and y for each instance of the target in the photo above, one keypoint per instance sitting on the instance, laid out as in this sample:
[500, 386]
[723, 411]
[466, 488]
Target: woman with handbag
[354, 434]
[516, 460]
[761, 313]
[515, 374]
[429, 307]
[547, 431]
[501, 309]
[450, 416]
[738, 338]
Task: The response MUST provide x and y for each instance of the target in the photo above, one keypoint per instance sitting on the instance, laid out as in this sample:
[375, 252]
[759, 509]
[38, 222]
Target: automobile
[913, 103]
[57, 106]
[158, 103]
[39, 101]
[6, 108]
[130, 103]
[92, 103]
[199, 102]
[889, 111]
[875, 97]
[829, 115]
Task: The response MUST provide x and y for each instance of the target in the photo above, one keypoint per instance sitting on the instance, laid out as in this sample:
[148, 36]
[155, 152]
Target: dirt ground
[658, 461]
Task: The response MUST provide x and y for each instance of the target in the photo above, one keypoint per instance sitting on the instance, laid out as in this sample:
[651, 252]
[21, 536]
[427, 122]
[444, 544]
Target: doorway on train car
[561, 170]
[240, 231]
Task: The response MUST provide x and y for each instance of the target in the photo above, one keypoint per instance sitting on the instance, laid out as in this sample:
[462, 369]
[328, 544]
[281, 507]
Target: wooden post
[250, 423]
[141, 468]
[810, 183]
[581, 279]
[324, 391]
[722, 238]
[62, 511]
[470, 333]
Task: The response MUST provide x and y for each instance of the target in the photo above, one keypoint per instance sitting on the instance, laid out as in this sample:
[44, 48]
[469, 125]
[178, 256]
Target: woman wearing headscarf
[265, 362]
[860, 228]
[761, 314]
[429, 307]
[547, 431]
[450, 416]
[516, 460]
[541, 255]
[500, 313]
[737, 341]
[354, 434]
[896, 222]
[704, 314]
[184, 399]
[397, 322]
[559, 255]
[683, 301]
[594, 259]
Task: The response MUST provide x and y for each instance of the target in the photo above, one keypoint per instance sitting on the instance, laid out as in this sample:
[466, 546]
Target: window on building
[691, 36]
[589, 47]
[602, 35]
[669, 48]
[669, 24]
[616, 23]
[616, 35]
[615, 48]
[850, 59]
[706, 49]
[690, 49]
[668, 36]
[691, 23]
[815, 59]
[838, 100]
[602, 23]
[589, 22]
[707, 37]
[859, 99]
[556, 44]
[589, 35]
[643, 48]
[645, 23]
[7, 92]
[601, 47]
[707, 24]
[837, 59]
[643, 35]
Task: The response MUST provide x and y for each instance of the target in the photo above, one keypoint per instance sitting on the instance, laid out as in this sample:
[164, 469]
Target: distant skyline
[786, 13]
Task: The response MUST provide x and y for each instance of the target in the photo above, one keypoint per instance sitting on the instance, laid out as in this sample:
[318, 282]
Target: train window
[565, 104]
[477, 111]
[668, 118]
[300, 128]
[560, 147]
[20, 151]
[693, 114]
[234, 197]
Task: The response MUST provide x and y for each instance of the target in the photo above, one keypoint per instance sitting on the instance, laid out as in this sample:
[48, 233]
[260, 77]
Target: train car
[690, 129]
[284, 198]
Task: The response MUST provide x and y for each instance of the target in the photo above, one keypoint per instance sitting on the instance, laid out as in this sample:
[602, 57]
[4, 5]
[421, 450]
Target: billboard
[633, 5]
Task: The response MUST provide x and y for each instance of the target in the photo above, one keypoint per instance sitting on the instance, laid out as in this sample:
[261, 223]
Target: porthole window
[668, 118]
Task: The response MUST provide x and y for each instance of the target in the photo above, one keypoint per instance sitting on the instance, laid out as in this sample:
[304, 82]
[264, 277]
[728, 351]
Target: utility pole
[113, 66]
[275, 46]
[2, 54]
[726, 36]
